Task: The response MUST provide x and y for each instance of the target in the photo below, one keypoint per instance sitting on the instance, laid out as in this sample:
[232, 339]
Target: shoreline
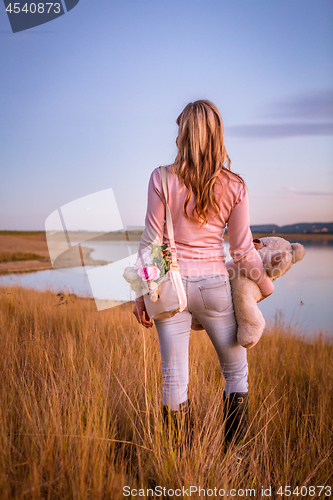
[33, 266]
[35, 242]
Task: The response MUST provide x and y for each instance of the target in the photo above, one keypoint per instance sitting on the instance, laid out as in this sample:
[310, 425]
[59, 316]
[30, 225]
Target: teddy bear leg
[250, 320]
[249, 333]
[248, 337]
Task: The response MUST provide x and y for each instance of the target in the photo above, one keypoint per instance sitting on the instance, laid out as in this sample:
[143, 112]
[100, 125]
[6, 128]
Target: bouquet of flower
[150, 267]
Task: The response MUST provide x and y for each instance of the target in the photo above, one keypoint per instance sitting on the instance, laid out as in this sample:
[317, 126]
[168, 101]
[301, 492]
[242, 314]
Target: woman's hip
[208, 294]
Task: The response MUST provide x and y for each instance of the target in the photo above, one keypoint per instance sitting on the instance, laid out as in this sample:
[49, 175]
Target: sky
[89, 102]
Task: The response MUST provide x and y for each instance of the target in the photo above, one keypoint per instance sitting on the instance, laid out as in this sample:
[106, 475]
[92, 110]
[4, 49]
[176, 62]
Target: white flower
[132, 277]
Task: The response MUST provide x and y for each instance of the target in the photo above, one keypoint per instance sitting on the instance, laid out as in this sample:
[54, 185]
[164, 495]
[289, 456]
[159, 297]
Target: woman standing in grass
[204, 198]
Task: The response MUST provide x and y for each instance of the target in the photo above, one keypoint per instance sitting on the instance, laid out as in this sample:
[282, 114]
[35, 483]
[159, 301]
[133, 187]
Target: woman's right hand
[266, 287]
[140, 312]
[264, 297]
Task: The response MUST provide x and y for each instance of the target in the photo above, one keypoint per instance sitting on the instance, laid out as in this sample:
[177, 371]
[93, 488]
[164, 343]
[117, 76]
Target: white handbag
[171, 292]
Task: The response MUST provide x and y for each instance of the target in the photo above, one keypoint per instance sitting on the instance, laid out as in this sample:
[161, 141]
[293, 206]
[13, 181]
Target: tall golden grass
[81, 407]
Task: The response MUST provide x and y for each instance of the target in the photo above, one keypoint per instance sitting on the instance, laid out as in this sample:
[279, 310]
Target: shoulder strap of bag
[168, 218]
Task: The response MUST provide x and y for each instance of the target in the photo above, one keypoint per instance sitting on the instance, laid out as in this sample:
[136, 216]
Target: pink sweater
[200, 249]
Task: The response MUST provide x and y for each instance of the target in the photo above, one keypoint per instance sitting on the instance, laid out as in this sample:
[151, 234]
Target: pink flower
[149, 273]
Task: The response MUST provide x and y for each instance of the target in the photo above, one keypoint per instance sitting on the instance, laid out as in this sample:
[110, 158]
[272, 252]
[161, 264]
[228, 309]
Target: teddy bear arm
[250, 320]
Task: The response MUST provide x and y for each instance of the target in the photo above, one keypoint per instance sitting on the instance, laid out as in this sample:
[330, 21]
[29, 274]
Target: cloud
[316, 105]
[300, 116]
[289, 191]
[281, 130]
[308, 193]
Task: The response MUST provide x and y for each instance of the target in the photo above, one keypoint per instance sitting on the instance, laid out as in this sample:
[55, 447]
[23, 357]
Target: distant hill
[136, 231]
[302, 228]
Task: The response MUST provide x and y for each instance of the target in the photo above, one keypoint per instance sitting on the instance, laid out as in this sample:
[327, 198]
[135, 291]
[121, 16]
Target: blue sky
[89, 101]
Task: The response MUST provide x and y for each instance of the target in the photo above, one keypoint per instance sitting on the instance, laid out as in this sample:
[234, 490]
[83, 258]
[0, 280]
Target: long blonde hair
[201, 155]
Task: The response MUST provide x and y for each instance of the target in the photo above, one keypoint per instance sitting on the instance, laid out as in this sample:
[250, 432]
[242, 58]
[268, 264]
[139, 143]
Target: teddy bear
[278, 255]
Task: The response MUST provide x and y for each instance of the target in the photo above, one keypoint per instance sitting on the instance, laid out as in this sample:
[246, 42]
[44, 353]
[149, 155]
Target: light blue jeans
[209, 301]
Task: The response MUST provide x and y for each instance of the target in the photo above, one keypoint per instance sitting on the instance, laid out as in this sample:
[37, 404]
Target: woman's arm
[154, 224]
[155, 215]
[242, 248]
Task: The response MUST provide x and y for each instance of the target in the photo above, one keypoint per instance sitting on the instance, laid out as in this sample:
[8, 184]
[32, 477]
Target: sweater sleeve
[241, 245]
[155, 215]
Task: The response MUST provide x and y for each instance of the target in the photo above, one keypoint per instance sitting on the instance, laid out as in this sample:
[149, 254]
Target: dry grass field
[81, 416]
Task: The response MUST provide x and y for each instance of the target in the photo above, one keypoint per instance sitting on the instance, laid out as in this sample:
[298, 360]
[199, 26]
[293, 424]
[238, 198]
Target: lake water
[303, 296]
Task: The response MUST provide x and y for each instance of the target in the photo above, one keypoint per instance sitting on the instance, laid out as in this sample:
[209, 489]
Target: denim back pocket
[215, 293]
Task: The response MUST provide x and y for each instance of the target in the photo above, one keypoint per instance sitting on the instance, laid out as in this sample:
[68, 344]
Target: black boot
[179, 423]
[236, 414]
